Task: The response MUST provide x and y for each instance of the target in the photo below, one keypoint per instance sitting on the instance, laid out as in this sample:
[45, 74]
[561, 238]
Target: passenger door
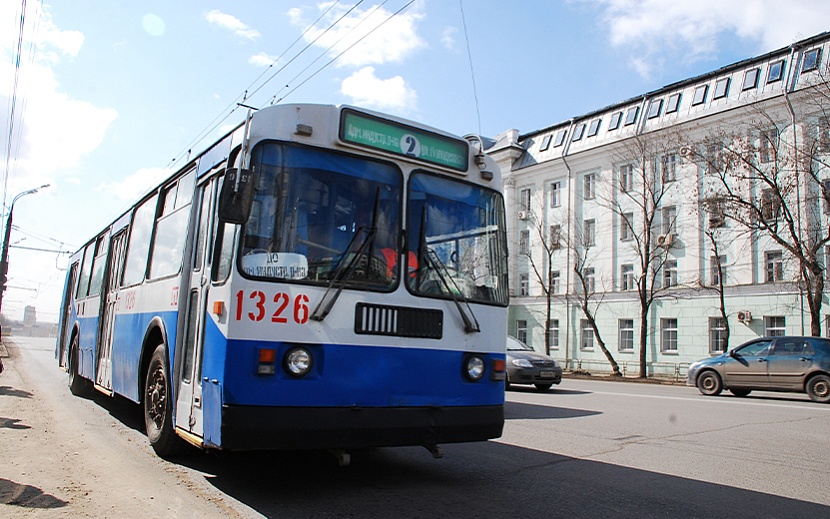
[790, 359]
[103, 375]
[747, 366]
[189, 399]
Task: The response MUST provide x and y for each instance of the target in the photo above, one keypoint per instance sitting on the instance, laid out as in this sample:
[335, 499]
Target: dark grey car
[526, 366]
[793, 364]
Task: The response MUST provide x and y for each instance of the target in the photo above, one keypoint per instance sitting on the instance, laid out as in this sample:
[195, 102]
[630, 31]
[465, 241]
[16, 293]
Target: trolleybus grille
[398, 321]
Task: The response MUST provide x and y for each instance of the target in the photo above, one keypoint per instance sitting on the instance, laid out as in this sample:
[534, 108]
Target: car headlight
[474, 368]
[297, 362]
[522, 363]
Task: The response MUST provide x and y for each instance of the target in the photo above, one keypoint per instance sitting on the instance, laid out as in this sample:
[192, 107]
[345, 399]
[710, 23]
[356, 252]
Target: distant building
[29, 316]
[582, 193]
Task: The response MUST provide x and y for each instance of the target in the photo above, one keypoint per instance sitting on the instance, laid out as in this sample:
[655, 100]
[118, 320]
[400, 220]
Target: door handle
[762, 360]
[806, 359]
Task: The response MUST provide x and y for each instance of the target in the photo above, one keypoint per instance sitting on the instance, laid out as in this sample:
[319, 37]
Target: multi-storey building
[628, 202]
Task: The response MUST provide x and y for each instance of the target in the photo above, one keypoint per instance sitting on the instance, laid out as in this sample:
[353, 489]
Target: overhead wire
[470, 60]
[13, 101]
[246, 94]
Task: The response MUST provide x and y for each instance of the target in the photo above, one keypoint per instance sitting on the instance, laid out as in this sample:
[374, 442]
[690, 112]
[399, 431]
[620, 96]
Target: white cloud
[135, 185]
[689, 30]
[262, 60]
[448, 37]
[366, 89]
[391, 41]
[231, 23]
[52, 131]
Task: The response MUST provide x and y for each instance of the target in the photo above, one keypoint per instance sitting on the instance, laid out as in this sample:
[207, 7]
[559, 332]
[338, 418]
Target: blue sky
[110, 93]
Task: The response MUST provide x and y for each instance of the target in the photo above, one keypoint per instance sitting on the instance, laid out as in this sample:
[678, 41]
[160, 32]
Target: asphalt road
[585, 449]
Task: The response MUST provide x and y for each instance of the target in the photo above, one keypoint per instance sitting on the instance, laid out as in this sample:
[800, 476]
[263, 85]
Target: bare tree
[718, 274]
[641, 202]
[767, 176]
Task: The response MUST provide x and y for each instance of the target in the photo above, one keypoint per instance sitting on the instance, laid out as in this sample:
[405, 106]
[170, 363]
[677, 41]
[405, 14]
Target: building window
[616, 117]
[811, 60]
[767, 146]
[627, 227]
[668, 167]
[555, 236]
[774, 261]
[717, 335]
[776, 71]
[554, 282]
[775, 326]
[825, 194]
[823, 134]
[588, 276]
[717, 274]
[593, 128]
[524, 242]
[524, 284]
[751, 78]
[654, 108]
[524, 200]
[555, 194]
[553, 334]
[770, 204]
[668, 335]
[560, 138]
[627, 277]
[673, 104]
[631, 115]
[700, 95]
[714, 157]
[589, 186]
[586, 340]
[626, 334]
[545, 143]
[626, 178]
[669, 218]
[590, 233]
[715, 211]
[670, 273]
[521, 330]
[579, 131]
[721, 88]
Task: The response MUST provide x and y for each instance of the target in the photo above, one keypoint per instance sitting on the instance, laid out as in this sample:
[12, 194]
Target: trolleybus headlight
[474, 368]
[297, 362]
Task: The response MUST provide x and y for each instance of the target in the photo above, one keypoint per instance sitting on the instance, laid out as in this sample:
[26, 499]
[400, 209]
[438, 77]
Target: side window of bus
[171, 228]
[83, 281]
[99, 264]
[139, 246]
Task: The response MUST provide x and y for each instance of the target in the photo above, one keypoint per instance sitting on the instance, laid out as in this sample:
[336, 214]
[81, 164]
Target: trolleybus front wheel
[158, 409]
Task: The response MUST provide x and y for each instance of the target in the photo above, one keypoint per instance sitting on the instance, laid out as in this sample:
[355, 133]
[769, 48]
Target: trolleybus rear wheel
[158, 409]
[78, 385]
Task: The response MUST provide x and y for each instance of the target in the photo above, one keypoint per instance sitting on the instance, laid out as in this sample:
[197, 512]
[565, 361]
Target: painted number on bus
[280, 307]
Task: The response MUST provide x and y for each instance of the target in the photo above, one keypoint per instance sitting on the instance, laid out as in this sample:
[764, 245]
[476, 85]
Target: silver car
[793, 364]
[526, 366]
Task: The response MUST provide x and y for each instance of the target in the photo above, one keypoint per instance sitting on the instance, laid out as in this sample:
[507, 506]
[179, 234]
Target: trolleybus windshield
[455, 235]
[309, 209]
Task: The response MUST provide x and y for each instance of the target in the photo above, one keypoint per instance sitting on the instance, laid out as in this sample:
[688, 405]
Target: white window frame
[775, 325]
[626, 335]
[717, 335]
[586, 336]
[668, 334]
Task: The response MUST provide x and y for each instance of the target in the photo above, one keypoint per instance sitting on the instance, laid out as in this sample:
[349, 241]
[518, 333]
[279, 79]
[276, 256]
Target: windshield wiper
[431, 259]
[344, 270]
[434, 262]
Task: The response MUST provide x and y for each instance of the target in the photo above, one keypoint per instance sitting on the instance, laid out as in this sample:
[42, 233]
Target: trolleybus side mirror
[237, 196]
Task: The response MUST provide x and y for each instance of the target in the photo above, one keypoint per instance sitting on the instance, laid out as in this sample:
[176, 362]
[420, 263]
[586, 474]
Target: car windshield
[457, 245]
[517, 345]
[315, 210]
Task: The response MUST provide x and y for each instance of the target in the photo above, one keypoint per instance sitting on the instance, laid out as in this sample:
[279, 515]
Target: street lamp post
[4, 259]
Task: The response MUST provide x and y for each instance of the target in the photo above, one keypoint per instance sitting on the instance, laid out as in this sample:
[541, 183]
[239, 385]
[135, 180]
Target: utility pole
[4, 259]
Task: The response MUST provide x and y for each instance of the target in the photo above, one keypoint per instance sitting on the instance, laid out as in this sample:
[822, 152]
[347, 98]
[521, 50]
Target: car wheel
[818, 387]
[740, 392]
[709, 383]
[543, 387]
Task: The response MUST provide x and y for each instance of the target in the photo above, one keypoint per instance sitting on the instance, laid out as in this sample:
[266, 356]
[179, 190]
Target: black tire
[740, 392]
[158, 407]
[78, 385]
[709, 383]
[818, 387]
[543, 387]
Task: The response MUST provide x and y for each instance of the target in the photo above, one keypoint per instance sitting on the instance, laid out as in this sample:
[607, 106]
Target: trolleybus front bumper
[260, 427]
